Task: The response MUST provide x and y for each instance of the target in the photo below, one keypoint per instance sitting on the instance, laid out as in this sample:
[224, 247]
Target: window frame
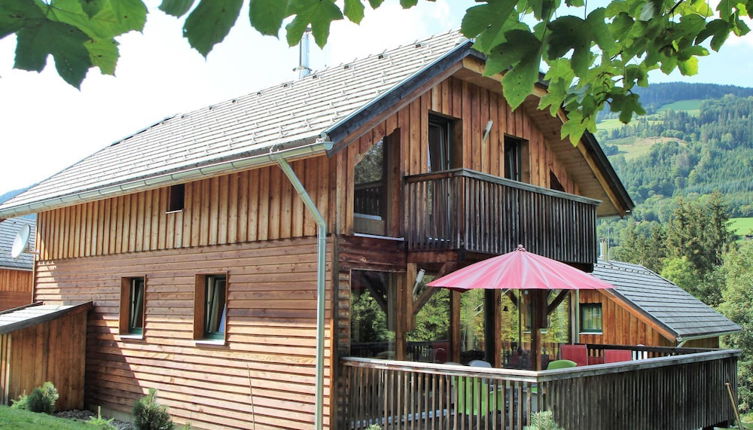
[201, 286]
[446, 144]
[176, 198]
[124, 324]
[582, 329]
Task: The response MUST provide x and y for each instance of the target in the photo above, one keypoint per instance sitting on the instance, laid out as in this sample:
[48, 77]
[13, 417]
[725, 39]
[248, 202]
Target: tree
[738, 307]
[595, 57]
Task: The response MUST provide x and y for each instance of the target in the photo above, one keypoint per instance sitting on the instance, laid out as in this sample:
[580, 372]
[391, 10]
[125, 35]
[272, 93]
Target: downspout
[320, 285]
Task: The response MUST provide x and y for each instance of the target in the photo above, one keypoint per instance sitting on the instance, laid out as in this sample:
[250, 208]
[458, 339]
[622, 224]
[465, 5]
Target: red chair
[595, 360]
[576, 353]
[617, 355]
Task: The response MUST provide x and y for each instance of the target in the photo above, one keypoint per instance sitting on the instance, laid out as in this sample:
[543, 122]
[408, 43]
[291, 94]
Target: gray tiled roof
[8, 230]
[665, 302]
[286, 114]
[27, 316]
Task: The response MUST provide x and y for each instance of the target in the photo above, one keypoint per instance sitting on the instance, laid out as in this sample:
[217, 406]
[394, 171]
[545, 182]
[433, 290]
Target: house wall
[51, 351]
[15, 288]
[262, 378]
[620, 326]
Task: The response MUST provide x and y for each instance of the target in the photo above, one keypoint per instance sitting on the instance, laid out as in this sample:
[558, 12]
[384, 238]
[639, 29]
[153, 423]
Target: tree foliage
[594, 56]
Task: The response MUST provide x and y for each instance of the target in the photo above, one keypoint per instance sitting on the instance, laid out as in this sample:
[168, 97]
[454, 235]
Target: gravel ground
[85, 415]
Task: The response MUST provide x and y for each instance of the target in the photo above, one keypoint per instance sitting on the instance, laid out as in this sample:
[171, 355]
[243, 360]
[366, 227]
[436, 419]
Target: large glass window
[370, 199]
[372, 314]
[210, 307]
[132, 306]
[440, 144]
[513, 158]
[429, 340]
[590, 318]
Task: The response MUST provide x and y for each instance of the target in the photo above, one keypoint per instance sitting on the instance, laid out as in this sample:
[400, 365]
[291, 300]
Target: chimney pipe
[304, 67]
[604, 245]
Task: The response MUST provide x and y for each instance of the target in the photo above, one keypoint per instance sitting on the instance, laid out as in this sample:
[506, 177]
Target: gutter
[254, 158]
[681, 340]
[321, 262]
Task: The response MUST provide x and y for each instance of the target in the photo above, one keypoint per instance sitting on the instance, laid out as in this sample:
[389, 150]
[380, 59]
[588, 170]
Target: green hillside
[741, 226]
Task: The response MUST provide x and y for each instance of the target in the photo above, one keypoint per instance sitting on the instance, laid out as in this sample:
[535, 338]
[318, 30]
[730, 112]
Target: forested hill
[688, 146]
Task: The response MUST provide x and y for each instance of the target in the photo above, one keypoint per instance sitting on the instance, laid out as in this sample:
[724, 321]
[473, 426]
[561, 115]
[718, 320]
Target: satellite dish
[21, 242]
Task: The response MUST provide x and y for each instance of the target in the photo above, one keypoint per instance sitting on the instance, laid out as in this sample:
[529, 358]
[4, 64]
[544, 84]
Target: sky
[47, 125]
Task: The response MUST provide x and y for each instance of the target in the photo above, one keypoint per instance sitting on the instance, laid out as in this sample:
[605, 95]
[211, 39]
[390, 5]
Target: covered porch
[663, 388]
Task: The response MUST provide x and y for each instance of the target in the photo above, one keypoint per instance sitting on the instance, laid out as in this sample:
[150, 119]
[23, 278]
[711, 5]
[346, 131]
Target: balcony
[663, 388]
[465, 210]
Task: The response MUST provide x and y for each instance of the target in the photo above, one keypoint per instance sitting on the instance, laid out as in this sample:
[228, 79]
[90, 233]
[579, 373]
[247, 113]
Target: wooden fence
[675, 392]
[468, 210]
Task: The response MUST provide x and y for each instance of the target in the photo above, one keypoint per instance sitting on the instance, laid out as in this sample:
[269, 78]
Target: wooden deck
[466, 210]
[675, 389]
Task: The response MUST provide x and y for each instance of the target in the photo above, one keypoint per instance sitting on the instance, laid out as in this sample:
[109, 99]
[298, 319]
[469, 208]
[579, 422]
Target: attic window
[176, 198]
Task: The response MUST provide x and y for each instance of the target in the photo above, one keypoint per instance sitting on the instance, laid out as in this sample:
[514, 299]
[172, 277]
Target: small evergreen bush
[150, 415]
[42, 399]
[102, 423]
[543, 420]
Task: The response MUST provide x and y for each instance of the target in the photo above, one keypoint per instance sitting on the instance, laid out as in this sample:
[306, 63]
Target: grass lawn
[741, 225]
[692, 107]
[14, 419]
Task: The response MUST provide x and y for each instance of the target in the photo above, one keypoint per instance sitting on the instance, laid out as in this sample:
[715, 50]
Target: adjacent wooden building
[16, 280]
[200, 253]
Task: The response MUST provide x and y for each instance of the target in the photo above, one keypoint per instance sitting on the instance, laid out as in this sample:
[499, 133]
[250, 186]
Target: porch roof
[666, 303]
[30, 315]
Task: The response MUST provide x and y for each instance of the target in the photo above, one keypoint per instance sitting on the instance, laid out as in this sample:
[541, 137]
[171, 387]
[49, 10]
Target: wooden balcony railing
[674, 392]
[466, 210]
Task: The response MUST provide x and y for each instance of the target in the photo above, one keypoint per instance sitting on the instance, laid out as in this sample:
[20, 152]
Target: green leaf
[176, 8]
[650, 10]
[115, 18]
[596, 21]
[570, 32]
[688, 67]
[318, 13]
[210, 22]
[375, 3]
[521, 52]
[63, 41]
[103, 54]
[92, 7]
[267, 15]
[15, 14]
[354, 10]
[487, 23]
[406, 4]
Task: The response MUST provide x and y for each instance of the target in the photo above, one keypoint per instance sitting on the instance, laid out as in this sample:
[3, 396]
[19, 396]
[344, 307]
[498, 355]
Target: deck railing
[675, 392]
[466, 210]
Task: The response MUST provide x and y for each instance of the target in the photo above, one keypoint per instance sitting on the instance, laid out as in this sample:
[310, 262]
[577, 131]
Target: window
[513, 158]
[176, 198]
[370, 194]
[373, 314]
[210, 307]
[132, 293]
[554, 183]
[440, 144]
[590, 318]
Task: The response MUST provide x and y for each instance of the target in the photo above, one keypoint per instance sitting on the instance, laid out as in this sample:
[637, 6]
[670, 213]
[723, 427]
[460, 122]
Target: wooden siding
[620, 326]
[51, 351]
[242, 207]
[15, 288]
[263, 378]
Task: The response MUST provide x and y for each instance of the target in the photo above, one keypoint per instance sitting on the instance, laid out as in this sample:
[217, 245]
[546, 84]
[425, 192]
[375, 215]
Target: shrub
[150, 415]
[101, 423]
[543, 420]
[41, 399]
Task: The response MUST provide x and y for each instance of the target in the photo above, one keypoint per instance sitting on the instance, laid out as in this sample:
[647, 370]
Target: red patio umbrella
[522, 270]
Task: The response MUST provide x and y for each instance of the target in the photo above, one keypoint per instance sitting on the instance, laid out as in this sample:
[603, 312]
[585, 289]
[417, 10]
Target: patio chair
[475, 397]
[560, 364]
[576, 353]
[617, 355]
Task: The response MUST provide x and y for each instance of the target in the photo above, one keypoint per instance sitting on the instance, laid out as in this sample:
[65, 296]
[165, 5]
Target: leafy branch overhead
[592, 57]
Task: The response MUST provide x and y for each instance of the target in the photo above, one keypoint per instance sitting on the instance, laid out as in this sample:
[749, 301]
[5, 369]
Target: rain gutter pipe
[320, 284]
[682, 340]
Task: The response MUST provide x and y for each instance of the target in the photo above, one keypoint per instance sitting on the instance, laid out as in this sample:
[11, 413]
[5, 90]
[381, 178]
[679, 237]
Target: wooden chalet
[15, 273]
[262, 262]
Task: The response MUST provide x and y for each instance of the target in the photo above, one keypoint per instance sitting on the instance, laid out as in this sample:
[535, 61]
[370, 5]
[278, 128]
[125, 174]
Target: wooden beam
[557, 301]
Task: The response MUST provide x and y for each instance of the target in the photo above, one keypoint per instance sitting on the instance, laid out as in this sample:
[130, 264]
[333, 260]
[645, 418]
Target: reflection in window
[590, 318]
[215, 309]
[372, 314]
[136, 306]
[429, 341]
[472, 326]
[513, 158]
[370, 198]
